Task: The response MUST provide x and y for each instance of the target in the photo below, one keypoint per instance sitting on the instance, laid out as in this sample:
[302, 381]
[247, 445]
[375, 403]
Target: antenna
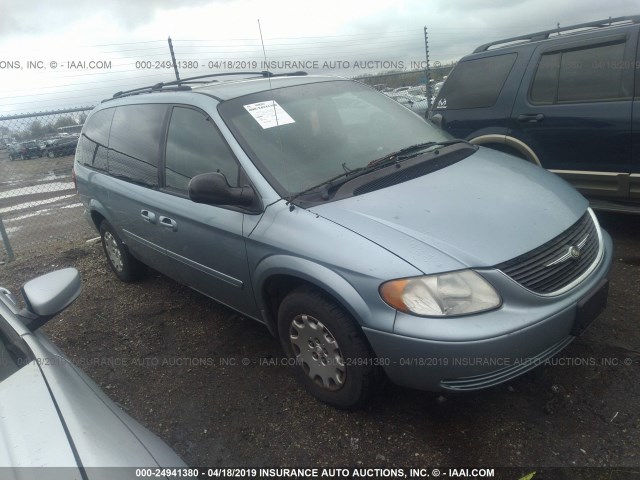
[173, 59]
[264, 53]
[273, 100]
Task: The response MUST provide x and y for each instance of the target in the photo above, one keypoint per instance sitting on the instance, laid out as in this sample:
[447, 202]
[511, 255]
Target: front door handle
[531, 118]
[169, 223]
[148, 216]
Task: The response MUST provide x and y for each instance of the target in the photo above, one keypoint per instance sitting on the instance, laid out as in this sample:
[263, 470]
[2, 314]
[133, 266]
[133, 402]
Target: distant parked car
[436, 90]
[25, 150]
[12, 149]
[419, 91]
[413, 102]
[62, 146]
[53, 415]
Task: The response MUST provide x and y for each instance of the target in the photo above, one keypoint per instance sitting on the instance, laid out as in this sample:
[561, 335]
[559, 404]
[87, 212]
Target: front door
[574, 110]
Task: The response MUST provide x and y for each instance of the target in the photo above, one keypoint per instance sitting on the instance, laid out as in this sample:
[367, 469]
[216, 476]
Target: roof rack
[534, 37]
[183, 84]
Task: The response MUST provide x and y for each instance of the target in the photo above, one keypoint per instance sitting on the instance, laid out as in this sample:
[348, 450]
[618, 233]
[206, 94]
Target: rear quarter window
[475, 83]
[94, 140]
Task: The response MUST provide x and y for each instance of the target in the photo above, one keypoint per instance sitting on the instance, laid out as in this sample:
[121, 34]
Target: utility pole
[427, 71]
[173, 60]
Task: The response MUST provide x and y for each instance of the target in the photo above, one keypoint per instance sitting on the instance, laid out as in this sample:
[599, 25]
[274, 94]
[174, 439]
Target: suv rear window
[475, 83]
[584, 74]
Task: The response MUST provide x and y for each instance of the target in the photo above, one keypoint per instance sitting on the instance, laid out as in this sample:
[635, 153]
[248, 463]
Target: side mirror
[436, 120]
[48, 295]
[213, 189]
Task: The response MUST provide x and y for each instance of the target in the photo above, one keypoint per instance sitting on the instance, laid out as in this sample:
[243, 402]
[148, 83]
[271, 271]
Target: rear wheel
[333, 359]
[125, 266]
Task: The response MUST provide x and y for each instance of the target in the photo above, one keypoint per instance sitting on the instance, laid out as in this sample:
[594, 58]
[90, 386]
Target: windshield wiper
[413, 151]
[399, 155]
[395, 157]
[329, 183]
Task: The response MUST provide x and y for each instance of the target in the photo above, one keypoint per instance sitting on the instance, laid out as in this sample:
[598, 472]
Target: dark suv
[25, 150]
[563, 99]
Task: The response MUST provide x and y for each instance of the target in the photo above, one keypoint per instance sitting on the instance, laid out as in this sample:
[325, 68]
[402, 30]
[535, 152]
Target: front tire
[124, 265]
[333, 359]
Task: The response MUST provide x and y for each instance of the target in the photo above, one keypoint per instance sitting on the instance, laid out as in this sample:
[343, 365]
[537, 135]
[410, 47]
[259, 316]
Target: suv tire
[124, 265]
[333, 358]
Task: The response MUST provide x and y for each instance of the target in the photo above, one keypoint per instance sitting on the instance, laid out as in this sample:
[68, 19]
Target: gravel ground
[207, 381]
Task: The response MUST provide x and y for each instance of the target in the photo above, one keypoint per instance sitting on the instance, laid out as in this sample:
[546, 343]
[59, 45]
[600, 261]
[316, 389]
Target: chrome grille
[554, 265]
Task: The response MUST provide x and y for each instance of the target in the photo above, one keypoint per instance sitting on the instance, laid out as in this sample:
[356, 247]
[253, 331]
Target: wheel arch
[513, 143]
[97, 213]
[278, 275]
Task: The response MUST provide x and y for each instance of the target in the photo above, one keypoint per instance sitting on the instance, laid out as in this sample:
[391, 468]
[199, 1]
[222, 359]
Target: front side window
[303, 135]
[475, 83]
[594, 73]
[195, 146]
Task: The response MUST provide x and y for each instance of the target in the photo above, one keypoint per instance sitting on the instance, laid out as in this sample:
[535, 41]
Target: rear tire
[124, 265]
[333, 359]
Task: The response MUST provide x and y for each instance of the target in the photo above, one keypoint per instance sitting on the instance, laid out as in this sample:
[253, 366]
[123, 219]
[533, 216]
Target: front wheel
[332, 357]
[126, 267]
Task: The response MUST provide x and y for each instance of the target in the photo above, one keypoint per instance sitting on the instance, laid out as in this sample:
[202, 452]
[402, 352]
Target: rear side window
[195, 146]
[475, 83]
[135, 143]
[92, 145]
[593, 73]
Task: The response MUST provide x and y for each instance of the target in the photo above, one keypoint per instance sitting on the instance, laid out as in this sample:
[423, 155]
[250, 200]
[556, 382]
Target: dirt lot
[38, 204]
[205, 380]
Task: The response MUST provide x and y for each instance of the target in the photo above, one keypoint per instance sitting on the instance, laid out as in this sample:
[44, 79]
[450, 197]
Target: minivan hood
[485, 209]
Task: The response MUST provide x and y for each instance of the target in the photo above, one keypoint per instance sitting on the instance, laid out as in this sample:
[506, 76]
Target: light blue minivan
[368, 240]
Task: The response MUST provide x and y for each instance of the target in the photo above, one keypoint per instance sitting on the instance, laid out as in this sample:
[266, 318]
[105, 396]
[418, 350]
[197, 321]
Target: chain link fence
[415, 89]
[38, 204]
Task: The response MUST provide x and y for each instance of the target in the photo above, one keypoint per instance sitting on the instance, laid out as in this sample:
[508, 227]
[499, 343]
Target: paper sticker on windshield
[269, 114]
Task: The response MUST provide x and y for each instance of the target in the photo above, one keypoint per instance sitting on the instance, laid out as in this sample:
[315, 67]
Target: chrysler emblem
[572, 252]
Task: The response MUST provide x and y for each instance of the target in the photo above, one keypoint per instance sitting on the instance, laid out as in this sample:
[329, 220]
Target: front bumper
[483, 350]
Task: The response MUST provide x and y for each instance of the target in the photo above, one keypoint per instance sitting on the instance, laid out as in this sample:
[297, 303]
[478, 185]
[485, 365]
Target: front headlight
[441, 295]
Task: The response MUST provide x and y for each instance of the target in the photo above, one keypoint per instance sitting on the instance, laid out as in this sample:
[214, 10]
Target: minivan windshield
[300, 136]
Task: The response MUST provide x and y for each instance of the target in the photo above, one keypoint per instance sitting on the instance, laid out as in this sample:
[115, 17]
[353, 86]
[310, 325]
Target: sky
[73, 53]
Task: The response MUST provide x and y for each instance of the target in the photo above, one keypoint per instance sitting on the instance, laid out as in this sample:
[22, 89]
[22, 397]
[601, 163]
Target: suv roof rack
[183, 84]
[579, 28]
